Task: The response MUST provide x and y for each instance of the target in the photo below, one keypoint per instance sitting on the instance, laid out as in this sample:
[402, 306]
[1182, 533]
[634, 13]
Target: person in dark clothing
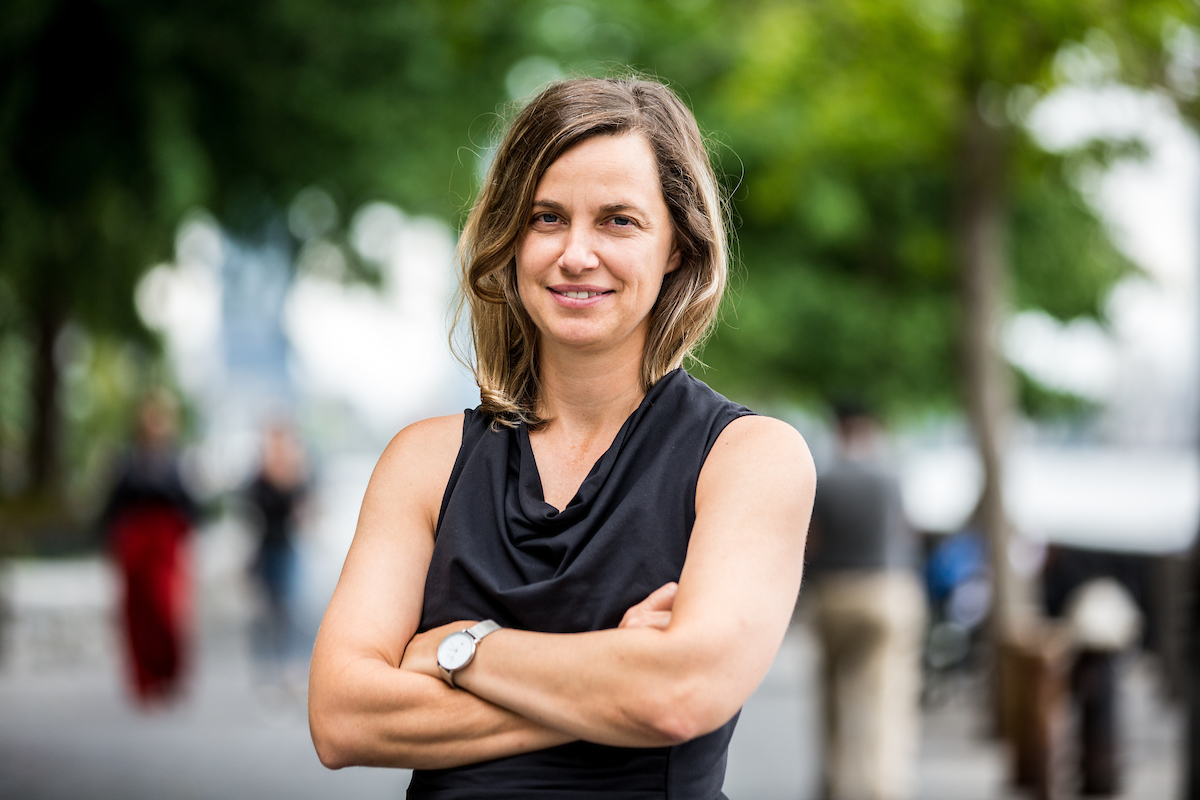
[148, 520]
[868, 609]
[276, 496]
[571, 590]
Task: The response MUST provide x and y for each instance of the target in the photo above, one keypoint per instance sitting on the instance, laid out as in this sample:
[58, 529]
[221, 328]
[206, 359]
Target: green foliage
[836, 125]
[810, 334]
[1062, 256]
[102, 380]
[1041, 402]
[847, 118]
[118, 116]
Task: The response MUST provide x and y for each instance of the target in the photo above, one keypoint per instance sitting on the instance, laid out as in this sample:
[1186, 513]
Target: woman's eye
[622, 222]
[546, 218]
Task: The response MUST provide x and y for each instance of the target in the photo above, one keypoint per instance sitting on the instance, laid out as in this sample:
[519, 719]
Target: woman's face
[596, 247]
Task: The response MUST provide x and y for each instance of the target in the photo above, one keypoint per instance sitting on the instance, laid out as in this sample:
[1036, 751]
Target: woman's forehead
[611, 171]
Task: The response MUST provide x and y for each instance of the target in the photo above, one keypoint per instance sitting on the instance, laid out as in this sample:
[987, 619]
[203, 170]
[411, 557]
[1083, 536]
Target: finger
[641, 618]
[662, 598]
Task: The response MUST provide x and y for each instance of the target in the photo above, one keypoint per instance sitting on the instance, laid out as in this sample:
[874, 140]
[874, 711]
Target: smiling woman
[563, 117]
[628, 542]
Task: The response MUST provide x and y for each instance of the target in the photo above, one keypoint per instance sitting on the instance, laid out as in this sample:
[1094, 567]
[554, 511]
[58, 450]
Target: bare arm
[363, 709]
[650, 686]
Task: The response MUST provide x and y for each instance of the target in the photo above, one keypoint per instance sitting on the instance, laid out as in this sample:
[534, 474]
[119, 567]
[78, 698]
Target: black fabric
[503, 553]
[858, 522]
[275, 508]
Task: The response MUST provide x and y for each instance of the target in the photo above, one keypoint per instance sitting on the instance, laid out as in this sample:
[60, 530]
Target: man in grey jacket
[868, 610]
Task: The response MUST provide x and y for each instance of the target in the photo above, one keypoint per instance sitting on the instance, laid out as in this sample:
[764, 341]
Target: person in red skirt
[148, 520]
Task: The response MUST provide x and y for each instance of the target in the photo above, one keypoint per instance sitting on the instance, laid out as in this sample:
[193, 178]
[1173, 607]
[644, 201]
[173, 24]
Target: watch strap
[482, 629]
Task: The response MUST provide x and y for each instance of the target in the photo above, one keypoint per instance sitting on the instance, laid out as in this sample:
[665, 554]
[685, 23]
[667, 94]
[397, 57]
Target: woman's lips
[578, 296]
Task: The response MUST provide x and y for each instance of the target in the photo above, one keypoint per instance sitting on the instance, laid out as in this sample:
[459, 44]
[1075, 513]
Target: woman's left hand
[654, 611]
[421, 653]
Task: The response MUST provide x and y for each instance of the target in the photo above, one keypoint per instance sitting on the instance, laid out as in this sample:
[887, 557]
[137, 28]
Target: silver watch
[457, 649]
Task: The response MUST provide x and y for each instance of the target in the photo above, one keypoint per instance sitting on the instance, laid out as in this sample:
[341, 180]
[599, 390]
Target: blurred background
[978, 219]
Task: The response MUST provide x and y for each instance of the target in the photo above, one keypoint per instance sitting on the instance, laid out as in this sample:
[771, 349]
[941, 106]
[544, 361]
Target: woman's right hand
[654, 611]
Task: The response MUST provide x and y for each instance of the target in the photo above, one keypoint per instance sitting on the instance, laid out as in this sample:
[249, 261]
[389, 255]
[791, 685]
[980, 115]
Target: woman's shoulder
[757, 431]
[422, 455]
[758, 451]
[435, 437]
[759, 443]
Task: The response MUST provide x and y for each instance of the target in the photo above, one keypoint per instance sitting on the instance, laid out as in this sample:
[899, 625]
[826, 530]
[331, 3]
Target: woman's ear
[673, 260]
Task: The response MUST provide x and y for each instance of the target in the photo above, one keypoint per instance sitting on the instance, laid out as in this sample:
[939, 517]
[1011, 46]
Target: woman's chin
[577, 344]
[588, 341]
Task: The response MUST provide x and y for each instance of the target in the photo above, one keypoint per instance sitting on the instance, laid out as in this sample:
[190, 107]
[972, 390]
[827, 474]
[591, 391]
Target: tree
[116, 116]
[889, 184]
[882, 181]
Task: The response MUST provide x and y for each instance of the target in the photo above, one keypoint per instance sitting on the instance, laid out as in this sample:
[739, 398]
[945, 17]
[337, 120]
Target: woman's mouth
[584, 295]
[578, 296]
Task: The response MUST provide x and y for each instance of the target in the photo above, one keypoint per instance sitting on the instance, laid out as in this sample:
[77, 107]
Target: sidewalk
[68, 731]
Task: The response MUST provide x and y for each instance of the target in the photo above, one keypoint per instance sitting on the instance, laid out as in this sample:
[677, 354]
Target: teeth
[580, 295]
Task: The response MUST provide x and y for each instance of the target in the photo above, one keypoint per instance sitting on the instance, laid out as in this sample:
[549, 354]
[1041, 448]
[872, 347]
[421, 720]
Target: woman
[276, 500]
[636, 539]
[148, 520]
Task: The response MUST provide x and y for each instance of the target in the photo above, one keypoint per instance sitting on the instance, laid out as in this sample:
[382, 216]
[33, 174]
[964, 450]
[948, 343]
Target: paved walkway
[68, 731]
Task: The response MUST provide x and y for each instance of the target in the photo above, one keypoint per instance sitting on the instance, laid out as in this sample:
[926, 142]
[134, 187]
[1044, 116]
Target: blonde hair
[504, 337]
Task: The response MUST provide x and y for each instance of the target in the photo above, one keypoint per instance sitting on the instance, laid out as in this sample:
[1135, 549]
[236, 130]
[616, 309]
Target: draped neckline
[543, 516]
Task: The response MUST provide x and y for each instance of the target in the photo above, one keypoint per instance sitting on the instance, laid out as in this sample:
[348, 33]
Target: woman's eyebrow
[608, 208]
[617, 208]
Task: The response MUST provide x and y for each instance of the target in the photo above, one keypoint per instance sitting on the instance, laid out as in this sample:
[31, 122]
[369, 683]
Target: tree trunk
[43, 444]
[982, 250]
[982, 240]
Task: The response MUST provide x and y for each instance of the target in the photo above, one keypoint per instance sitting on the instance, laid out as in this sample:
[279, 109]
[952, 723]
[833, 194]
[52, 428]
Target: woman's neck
[586, 397]
[588, 393]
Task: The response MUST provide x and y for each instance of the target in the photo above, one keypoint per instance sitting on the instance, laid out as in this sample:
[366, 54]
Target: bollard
[1192, 743]
[1095, 686]
[1036, 690]
[1104, 622]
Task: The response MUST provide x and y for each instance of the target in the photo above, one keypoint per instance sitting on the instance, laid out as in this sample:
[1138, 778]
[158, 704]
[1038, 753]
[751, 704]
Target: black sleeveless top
[503, 553]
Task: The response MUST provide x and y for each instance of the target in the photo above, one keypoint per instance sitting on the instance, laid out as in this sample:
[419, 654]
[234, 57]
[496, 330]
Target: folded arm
[680, 665]
[651, 686]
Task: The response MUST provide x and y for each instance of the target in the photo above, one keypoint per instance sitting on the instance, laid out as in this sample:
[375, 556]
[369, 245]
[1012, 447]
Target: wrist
[458, 649]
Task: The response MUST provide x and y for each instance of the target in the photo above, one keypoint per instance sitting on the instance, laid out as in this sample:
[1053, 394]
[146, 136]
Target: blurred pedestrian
[276, 496]
[868, 609]
[148, 519]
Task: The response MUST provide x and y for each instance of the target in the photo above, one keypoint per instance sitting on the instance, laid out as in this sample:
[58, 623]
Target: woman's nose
[579, 251]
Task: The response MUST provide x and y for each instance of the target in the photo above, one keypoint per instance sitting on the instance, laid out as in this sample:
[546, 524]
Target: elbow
[345, 738]
[330, 755]
[331, 736]
[331, 749]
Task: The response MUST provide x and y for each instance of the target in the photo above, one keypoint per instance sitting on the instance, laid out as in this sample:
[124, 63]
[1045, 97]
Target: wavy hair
[503, 336]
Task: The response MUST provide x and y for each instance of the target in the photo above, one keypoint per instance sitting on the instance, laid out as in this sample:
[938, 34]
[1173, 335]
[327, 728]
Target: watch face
[455, 651]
